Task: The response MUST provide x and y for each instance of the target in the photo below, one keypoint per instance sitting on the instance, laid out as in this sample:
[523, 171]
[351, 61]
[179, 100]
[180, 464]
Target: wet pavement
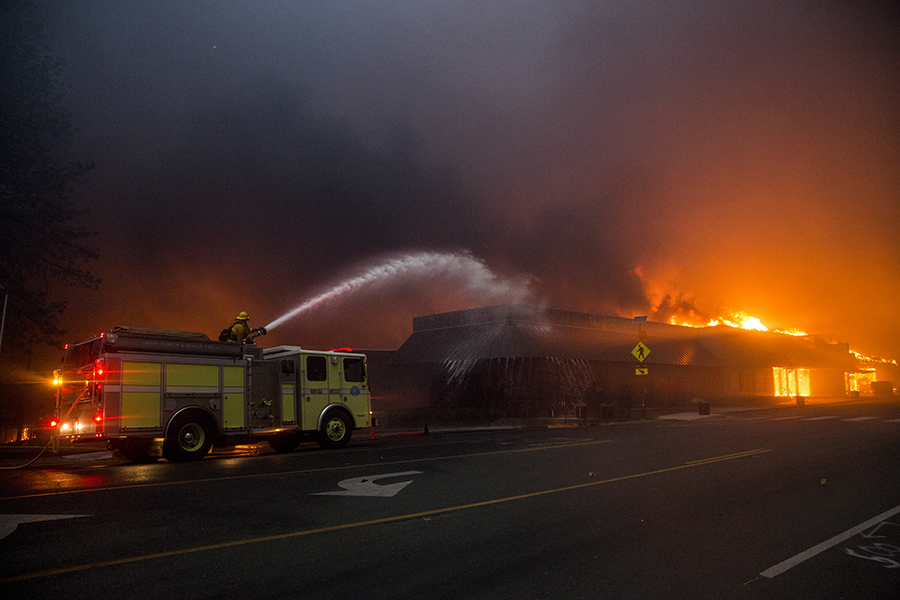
[29, 455]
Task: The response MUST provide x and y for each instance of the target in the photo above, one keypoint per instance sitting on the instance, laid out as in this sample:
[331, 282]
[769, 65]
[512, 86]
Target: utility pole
[3, 319]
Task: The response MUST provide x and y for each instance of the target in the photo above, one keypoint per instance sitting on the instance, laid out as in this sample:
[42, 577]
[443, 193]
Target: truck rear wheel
[335, 431]
[190, 437]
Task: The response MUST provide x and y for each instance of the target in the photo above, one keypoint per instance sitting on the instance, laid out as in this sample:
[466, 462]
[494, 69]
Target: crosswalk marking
[822, 418]
[745, 417]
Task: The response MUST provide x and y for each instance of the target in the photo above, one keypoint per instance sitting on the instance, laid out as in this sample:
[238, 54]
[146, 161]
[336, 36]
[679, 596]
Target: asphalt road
[782, 503]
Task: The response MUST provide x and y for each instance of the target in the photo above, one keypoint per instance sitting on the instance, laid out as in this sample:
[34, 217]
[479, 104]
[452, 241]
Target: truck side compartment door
[265, 392]
[315, 389]
[289, 390]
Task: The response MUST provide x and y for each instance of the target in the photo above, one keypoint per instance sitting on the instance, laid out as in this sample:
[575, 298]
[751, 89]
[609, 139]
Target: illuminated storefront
[791, 382]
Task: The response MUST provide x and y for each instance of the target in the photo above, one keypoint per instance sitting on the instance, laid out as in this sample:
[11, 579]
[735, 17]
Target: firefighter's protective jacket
[240, 330]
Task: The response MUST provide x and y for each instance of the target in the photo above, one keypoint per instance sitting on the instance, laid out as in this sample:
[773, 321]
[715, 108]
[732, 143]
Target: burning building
[515, 361]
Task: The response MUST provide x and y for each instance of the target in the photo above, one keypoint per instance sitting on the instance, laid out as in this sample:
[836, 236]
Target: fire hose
[50, 441]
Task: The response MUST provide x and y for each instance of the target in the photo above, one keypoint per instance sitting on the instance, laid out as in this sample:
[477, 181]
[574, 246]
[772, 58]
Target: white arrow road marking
[8, 523]
[366, 486]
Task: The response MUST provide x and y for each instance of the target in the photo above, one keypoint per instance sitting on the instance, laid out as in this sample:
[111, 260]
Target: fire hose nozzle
[254, 334]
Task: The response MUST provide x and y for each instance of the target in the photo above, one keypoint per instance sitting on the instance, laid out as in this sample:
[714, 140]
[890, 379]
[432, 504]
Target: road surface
[782, 503]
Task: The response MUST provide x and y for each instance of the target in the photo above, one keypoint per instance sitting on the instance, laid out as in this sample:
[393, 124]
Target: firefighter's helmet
[243, 316]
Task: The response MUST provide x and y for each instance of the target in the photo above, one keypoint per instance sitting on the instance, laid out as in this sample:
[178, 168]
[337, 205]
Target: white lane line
[861, 419]
[893, 421]
[822, 418]
[807, 554]
[785, 418]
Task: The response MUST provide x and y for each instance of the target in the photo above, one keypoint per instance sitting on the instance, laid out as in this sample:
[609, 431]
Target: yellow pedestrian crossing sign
[640, 351]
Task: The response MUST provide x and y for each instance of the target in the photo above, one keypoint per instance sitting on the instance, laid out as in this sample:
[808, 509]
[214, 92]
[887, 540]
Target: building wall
[518, 387]
[828, 383]
[721, 366]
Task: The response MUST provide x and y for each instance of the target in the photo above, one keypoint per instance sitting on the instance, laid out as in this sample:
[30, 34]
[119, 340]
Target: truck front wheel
[190, 437]
[335, 431]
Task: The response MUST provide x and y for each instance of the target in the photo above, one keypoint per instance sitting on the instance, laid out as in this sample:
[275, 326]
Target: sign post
[640, 352]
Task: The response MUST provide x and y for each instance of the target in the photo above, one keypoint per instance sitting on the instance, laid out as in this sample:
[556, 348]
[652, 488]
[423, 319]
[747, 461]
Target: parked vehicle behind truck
[154, 393]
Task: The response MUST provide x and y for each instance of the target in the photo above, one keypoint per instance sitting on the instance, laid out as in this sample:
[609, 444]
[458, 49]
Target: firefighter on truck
[154, 393]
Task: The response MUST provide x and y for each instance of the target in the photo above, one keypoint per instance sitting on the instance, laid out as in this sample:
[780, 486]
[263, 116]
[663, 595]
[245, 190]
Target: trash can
[703, 408]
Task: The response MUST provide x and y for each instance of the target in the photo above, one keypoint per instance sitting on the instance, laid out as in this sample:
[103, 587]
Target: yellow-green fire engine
[155, 392]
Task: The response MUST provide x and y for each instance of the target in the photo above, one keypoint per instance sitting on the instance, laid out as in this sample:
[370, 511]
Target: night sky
[619, 158]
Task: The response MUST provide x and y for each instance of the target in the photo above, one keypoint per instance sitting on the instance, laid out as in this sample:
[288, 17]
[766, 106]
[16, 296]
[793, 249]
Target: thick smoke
[737, 154]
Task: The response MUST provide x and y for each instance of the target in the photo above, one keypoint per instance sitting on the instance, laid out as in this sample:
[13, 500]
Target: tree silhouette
[41, 244]
[42, 247]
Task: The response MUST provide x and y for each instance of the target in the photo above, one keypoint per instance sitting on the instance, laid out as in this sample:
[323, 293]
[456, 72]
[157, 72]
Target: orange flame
[874, 359]
[666, 300]
[738, 320]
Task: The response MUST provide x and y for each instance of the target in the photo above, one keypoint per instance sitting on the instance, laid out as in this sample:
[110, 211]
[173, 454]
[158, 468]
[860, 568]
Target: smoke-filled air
[336, 169]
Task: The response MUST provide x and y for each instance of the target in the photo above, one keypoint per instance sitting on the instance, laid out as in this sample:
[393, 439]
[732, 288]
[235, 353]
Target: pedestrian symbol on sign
[640, 351]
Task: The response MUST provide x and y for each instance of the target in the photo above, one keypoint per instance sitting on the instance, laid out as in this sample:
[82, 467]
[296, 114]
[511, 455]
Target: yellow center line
[735, 455]
[405, 517]
[303, 471]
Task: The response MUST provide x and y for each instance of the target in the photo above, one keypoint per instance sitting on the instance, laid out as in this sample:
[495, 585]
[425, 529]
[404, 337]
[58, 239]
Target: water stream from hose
[472, 276]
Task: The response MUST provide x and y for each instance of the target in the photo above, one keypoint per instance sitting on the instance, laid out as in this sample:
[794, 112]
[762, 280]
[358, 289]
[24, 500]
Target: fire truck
[152, 393]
